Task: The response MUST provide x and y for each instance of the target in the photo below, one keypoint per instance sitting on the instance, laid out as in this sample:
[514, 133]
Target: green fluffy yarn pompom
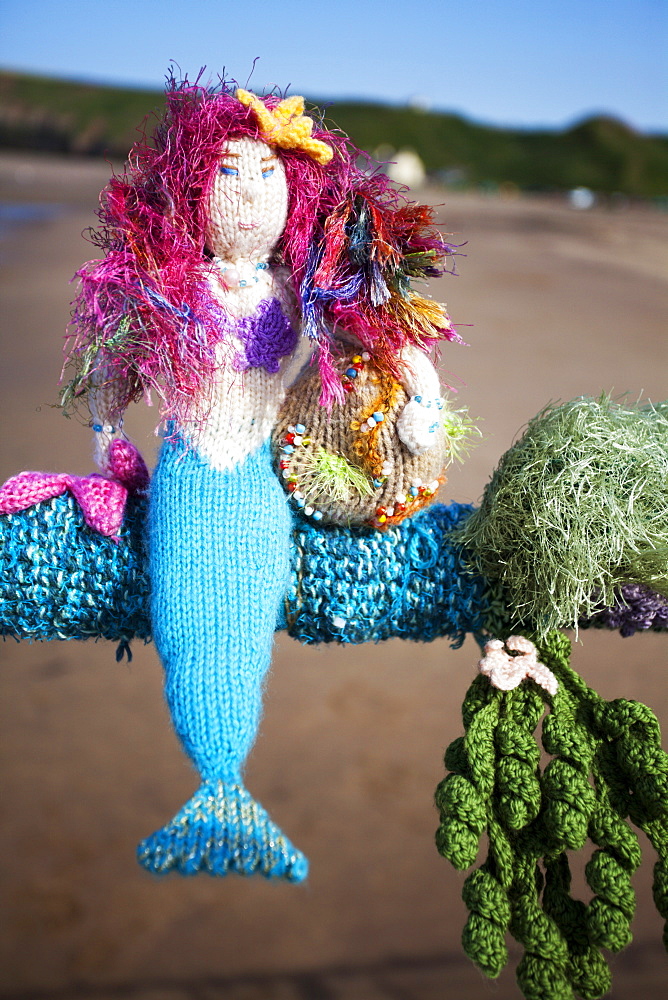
[331, 477]
[577, 507]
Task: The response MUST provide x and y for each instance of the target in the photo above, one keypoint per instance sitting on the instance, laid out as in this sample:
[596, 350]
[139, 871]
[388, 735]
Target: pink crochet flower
[507, 671]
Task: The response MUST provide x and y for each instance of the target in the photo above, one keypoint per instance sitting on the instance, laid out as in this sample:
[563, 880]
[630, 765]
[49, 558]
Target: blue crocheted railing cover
[61, 580]
[358, 585]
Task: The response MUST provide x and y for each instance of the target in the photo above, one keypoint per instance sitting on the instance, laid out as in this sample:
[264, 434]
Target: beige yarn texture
[247, 213]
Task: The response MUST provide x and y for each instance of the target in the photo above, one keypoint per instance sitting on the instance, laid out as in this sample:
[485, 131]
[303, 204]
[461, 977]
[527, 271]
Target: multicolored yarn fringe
[607, 767]
[145, 319]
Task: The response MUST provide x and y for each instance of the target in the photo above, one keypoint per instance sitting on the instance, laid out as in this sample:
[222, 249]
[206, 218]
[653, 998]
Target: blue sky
[529, 62]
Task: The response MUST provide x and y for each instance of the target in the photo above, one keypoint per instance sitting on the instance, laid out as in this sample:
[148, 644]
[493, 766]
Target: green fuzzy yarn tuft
[88, 363]
[460, 432]
[333, 477]
[577, 507]
[606, 768]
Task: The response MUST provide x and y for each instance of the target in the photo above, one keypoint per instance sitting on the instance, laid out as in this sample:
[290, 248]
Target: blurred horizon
[534, 67]
[600, 153]
[327, 101]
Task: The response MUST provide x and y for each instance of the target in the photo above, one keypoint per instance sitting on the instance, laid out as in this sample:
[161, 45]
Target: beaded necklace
[231, 276]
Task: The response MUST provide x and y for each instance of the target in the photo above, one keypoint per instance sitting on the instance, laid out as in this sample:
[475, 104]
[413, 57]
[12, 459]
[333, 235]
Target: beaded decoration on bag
[347, 465]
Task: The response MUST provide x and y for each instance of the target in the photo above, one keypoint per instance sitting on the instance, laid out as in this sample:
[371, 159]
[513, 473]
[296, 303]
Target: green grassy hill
[60, 116]
[600, 153]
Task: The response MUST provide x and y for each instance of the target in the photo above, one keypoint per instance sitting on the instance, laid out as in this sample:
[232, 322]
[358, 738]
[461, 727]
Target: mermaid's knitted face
[249, 201]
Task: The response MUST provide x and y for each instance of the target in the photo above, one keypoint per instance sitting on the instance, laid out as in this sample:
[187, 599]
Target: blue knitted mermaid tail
[222, 829]
[219, 550]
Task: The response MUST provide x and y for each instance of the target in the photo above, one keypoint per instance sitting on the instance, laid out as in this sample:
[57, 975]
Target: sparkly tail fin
[222, 829]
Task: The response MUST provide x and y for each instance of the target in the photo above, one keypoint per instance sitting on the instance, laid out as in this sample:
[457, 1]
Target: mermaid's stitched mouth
[248, 225]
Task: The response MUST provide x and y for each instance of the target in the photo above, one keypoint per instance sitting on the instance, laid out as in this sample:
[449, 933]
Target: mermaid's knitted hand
[127, 466]
[418, 423]
[105, 434]
[420, 418]
[115, 456]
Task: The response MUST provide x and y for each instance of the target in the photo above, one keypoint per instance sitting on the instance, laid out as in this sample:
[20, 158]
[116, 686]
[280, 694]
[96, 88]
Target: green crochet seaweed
[577, 507]
[533, 817]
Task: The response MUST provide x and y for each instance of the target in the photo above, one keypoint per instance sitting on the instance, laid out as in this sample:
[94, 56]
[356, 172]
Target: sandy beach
[554, 303]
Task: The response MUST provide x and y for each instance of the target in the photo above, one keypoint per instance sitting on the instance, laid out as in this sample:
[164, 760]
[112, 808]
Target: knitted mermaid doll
[226, 243]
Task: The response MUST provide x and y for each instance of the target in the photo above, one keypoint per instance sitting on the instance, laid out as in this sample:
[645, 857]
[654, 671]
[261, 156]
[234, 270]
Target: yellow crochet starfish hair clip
[286, 125]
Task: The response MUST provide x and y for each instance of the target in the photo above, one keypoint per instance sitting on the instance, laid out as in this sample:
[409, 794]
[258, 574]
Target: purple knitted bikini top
[267, 335]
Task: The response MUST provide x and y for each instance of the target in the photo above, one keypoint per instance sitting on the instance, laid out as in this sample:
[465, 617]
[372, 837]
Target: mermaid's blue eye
[268, 172]
[231, 171]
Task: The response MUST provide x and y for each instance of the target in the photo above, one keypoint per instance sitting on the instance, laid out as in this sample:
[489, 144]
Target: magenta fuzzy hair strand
[145, 319]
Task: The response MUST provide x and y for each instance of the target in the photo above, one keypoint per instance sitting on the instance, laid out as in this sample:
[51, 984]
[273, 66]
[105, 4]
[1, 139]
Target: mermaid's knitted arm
[295, 363]
[421, 416]
[106, 421]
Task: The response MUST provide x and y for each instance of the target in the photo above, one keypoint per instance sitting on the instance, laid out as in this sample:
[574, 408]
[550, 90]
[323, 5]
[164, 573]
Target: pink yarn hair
[144, 318]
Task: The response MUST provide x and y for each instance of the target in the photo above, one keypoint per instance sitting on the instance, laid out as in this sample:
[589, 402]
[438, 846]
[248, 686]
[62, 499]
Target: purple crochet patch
[636, 609]
[267, 337]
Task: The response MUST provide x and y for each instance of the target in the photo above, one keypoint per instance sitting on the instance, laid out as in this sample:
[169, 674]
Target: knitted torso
[259, 355]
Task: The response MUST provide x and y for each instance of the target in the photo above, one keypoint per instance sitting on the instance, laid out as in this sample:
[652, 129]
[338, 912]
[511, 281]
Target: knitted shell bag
[348, 465]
